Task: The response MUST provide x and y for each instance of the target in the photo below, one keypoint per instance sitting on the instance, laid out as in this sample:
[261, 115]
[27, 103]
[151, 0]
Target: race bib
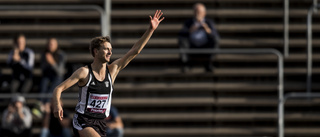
[97, 103]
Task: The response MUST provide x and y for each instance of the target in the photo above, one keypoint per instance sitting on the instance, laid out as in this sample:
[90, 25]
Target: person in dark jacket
[21, 61]
[198, 32]
[53, 62]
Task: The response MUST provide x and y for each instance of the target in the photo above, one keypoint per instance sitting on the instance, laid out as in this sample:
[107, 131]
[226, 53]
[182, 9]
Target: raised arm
[121, 63]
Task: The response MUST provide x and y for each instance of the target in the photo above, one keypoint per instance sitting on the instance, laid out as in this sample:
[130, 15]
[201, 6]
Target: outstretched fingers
[156, 14]
[161, 19]
[160, 14]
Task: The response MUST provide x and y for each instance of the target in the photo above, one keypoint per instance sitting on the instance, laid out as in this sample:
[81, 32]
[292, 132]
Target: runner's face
[105, 52]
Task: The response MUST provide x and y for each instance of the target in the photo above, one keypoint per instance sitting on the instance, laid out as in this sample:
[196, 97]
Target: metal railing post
[107, 7]
[309, 46]
[309, 49]
[286, 28]
[280, 118]
[286, 41]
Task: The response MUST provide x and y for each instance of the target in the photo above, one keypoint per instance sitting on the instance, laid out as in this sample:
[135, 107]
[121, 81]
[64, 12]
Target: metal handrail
[103, 17]
[293, 95]
[312, 10]
[204, 51]
[308, 93]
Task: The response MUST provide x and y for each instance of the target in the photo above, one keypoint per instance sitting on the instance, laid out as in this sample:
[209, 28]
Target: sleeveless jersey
[95, 96]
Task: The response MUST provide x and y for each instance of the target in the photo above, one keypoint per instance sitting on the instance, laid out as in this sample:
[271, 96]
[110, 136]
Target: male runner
[95, 83]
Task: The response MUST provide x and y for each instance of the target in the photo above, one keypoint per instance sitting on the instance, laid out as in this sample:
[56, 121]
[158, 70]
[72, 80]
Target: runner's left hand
[155, 20]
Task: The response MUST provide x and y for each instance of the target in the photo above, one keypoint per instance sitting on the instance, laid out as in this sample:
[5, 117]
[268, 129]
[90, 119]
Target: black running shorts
[81, 121]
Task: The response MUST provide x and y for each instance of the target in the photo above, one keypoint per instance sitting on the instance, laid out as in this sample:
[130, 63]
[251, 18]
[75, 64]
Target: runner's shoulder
[82, 72]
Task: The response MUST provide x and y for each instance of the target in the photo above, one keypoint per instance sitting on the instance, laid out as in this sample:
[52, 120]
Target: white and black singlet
[95, 96]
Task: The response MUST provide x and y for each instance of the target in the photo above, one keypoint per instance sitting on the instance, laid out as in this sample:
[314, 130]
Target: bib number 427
[97, 103]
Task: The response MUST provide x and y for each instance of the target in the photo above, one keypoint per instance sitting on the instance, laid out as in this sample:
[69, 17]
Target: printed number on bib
[97, 103]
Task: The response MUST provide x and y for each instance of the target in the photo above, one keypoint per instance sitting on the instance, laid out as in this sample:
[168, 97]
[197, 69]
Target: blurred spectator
[53, 64]
[53, 127]
[16, 119]
[114, 124]
[198, 32]
[21, 60]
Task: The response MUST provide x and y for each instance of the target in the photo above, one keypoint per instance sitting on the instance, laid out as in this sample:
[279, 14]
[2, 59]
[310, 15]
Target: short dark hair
[199, 4]
[16, 37]
[97, 42]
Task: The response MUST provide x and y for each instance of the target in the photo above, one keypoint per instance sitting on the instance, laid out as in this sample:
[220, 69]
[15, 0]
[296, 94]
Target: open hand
[16, 55]
[206, 27]
[155, 21]
[58, 112]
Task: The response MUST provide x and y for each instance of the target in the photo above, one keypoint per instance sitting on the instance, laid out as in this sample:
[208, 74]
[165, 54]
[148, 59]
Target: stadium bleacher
[153, 96]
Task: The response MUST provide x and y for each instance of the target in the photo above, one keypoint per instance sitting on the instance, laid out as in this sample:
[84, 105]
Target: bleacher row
[153, 96]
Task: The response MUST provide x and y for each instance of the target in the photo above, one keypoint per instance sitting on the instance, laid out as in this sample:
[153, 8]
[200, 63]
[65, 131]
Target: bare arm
[78, 76]
[121, 63]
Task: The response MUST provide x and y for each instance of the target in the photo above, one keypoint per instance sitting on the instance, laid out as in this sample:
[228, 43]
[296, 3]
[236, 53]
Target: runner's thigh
[88, 132]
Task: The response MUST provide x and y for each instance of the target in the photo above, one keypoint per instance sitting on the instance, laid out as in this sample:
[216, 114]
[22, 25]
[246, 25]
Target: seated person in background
[53, 62]
[198, 33]
[21, 60]
[16, 119]
[114, 124]
[53, 127]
